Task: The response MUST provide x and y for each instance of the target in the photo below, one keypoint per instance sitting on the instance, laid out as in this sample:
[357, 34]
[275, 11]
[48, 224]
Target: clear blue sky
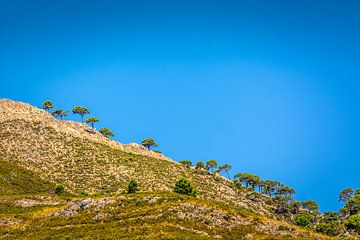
[271, 87]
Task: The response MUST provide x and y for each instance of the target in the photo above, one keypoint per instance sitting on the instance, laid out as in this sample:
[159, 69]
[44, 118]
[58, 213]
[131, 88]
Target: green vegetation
[148, 143]
[92, 121]
[186, 163]
[302, 220]
[59, 189]
[353, 223]
[200, 165]
[132, 187]
[59, 113]
[81, 111]
[184, 186]
[106, 132]
[47, 105]
[345, 194]
[212, 165]
[16, 180]
[101, 170]
[225, 168]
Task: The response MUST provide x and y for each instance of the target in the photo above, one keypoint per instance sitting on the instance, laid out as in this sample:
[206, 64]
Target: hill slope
[68, 152]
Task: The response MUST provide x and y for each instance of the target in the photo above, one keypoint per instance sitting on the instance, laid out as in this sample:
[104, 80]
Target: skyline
[270, 88]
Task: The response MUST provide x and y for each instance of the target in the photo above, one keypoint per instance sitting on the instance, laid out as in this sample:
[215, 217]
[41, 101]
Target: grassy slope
[136, 216]
[15, 180]
[84, 165]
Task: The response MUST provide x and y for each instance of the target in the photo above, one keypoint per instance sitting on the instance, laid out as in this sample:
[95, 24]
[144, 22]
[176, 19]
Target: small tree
[63, 114]
[345, 194]
[81, 111]
[212, 165]
[271, 187]
[133, 186]
[56, 113]
[310, 205]
[148, 143]
[186, 163]
[59, 113]
[200, 165]
[59, 189]
[285, 190]
[47, 105]
[106, 132]
[225, 168]
[92, 121]
[183, 186]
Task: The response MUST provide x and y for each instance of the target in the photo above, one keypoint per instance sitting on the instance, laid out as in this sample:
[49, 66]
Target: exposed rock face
[12, 110]
[74, 207]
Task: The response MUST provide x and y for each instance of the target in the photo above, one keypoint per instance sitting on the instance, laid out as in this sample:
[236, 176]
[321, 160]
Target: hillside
[39, 151]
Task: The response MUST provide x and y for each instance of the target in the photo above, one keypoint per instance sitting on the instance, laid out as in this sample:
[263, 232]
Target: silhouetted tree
[81, 111]
[148, 143]
[47, 105]
[106, 132]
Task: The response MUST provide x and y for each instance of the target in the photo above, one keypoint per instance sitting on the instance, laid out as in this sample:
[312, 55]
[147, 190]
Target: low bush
[133, 186]
[184, 186]
[59, 189]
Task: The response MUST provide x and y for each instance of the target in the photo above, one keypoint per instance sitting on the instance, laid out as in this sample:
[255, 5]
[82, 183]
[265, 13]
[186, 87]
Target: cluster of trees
[335, 223]
[82, 111]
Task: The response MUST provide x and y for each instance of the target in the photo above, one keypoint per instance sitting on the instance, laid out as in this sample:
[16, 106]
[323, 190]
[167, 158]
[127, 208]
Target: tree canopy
[184, 186]
[47, 105]
[186, 163]
[59, 113]
[148, 143]
[106, 132]
[92, 121]
[81, 111]
[212, 165]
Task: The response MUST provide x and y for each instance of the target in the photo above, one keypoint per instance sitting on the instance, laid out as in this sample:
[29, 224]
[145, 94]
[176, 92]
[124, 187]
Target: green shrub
[183, 186]
[59, 189]
[353, 223]
[332, 228]
[302, 220]
[132, 187]
[83, 194]
[283, 228]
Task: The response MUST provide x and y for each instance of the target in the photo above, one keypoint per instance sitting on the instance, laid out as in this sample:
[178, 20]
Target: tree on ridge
[81, 111]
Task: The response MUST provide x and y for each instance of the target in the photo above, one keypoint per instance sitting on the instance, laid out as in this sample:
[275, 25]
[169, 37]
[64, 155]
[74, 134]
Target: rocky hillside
[70, 153]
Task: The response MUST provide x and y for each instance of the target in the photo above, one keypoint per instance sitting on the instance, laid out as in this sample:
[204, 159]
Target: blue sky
[271, 87]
